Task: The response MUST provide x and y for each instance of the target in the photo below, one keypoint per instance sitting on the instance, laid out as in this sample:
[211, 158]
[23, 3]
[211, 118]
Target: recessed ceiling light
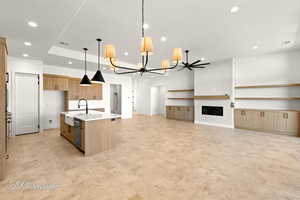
[255, 47]
[234, 9]
[27, 43]
[104, 67]
[163, 39]
[70, 63]
[202, 59]
[126, 53]
[32, 24]
[25, 55]
[146, 26]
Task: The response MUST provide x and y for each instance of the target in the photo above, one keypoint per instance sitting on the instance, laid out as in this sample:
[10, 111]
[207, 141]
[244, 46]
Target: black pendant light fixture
[98, 78]
[85, 81]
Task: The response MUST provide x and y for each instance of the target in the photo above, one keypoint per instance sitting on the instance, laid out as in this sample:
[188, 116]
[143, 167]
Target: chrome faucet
[86, 105]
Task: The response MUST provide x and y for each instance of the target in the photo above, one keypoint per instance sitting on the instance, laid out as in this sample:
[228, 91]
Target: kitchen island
[91, 133]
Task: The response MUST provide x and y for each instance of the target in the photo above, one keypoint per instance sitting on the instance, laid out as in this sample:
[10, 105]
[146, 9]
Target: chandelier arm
[110, 59]
[158, 69]
[126, 72]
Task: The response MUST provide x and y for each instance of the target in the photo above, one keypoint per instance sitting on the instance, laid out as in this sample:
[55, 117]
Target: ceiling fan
[195, 65]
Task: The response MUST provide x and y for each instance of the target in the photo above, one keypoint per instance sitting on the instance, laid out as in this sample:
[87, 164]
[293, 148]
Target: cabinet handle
[287, 115]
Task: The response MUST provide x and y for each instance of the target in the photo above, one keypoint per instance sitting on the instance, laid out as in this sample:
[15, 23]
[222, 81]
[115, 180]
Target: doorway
[27, 103]
[116, 99]
[157, 100]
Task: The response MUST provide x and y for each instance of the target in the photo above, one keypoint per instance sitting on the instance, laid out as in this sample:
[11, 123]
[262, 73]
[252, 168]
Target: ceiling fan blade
[195, 62]
[202, 64]
[189, 67]
[198, 67]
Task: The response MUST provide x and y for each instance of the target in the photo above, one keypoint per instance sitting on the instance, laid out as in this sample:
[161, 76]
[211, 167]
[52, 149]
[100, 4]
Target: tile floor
[157, 159]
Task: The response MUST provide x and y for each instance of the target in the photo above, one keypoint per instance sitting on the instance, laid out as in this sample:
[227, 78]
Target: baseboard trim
[213, 124]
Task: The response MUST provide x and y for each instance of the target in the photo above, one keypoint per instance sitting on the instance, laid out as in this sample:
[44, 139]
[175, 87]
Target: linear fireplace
[212, 110]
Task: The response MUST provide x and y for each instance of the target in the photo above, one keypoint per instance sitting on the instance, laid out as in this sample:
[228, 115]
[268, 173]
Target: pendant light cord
[99, 54]
[85, 49]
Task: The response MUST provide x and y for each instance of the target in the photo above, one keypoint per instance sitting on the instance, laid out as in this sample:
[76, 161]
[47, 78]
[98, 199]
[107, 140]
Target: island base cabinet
[100, 135]
[282, 122]
[66, 130]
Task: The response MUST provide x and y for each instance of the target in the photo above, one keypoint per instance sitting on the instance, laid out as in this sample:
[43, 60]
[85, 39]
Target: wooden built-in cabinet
[93, 92]
[184, 113]
[3, 103]
[56, 82]
[277, 121]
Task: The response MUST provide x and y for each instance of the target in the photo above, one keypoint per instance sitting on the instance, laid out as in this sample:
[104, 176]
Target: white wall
[216, 79]
[37, 67]
[276, 68]
[174, 81]
[53, 106]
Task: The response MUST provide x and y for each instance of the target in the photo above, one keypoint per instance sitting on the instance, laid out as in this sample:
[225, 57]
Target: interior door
[27, 103]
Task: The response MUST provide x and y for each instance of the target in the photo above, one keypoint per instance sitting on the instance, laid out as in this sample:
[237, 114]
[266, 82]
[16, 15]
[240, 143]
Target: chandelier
[146, 51]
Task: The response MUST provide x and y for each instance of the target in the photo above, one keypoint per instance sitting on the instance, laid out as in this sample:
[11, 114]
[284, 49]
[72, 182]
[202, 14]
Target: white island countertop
[91, 116]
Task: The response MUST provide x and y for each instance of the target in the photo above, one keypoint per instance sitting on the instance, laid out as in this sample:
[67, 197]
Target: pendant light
[85, 81]
[98, 78]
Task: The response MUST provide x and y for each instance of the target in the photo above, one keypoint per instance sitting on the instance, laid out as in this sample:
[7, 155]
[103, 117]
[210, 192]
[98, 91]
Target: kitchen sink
[69, 117]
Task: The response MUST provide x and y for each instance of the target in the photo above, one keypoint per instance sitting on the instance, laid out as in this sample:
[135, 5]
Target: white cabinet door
[27, 103]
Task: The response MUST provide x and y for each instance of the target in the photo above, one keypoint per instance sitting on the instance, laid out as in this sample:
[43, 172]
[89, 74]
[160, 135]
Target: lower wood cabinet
[184, 113]
[66, 130]
[282, 122]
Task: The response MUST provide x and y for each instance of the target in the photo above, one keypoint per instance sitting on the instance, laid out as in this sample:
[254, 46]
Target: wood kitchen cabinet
[66, 130]
[56, 82]
[76, 92]
[183, 113]
[276, 121]
[3, 103]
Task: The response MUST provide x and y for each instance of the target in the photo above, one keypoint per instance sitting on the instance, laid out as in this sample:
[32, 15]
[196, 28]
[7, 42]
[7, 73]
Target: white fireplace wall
[216, 79]
[274, 68]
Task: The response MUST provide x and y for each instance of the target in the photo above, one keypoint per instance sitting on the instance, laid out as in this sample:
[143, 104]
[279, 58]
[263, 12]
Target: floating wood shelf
[189, 90]
[213, 97]
[269, 86]
[268, 98]
[181, 98]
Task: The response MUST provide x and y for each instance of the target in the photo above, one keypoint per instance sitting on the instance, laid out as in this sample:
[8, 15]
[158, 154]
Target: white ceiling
[206, 27]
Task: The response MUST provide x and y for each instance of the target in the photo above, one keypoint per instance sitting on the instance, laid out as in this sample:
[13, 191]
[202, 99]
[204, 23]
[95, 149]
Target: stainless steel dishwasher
[77, 130]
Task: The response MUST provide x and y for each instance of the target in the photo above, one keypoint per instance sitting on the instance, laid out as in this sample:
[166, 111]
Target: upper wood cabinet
[56, 82]
[283, 122]
[72, 86]
[93, 92]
